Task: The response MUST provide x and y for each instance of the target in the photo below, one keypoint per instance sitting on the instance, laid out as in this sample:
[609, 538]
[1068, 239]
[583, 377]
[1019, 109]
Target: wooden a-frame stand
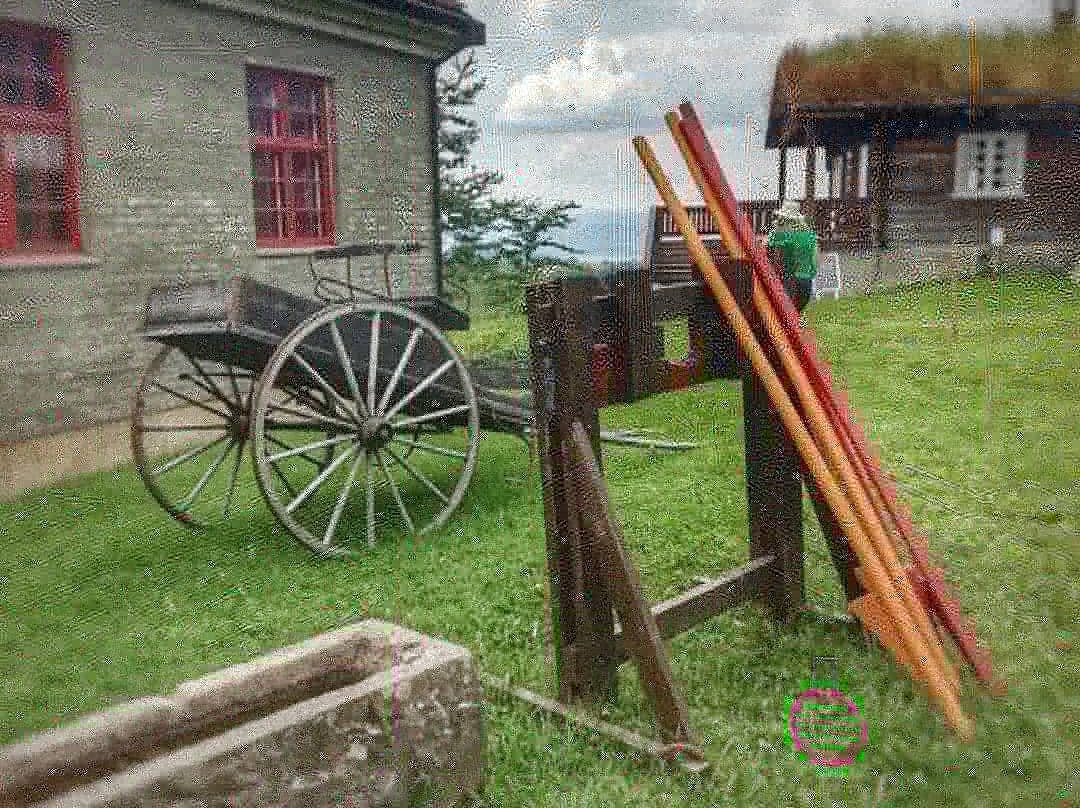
[590, 573]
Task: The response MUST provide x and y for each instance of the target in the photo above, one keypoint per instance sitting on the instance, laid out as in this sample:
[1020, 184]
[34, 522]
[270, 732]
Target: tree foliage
[465, 189]
[485, 234]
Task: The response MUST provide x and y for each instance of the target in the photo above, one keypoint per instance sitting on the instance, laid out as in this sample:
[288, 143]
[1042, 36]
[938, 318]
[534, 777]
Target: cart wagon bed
[242, 321]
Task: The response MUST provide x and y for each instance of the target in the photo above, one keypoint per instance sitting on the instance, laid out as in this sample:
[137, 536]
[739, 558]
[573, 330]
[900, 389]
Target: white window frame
[1013, 159]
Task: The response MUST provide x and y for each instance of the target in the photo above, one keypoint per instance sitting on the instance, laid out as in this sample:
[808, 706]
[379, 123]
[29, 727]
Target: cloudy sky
[569, 81]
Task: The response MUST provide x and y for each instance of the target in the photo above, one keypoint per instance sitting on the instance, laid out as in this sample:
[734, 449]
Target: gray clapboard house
[149, 142]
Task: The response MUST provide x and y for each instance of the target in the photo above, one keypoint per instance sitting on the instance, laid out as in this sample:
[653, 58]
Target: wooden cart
[353, 391]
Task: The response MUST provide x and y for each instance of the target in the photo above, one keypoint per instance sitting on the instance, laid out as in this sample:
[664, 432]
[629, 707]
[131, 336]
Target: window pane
[269, 221]
[303, 110]
[306, 179]
[9, 51]
[261, 104]
[40, 192]
[42, 75]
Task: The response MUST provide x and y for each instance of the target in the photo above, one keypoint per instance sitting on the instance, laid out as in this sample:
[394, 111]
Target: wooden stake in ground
[878, 579]
[639, 630]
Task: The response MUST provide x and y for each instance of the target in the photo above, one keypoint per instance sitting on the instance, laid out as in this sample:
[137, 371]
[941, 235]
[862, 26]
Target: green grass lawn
[970, 393]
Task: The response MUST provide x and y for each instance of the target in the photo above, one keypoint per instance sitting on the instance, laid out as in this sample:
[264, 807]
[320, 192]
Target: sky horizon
[569, 82]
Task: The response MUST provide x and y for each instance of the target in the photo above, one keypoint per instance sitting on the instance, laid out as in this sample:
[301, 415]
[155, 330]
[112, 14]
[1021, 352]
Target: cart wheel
[189, 428]
[406, 425]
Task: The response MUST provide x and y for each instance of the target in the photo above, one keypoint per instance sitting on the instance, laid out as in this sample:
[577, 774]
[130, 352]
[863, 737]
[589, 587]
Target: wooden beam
[845, 161]
[677, 299]
[583, 624]
[695, 606]
[640, 635]
[830, 163]
[879, 183]
[692, 760]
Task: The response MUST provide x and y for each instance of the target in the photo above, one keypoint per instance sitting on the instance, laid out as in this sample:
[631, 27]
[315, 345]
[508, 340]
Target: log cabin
[914, 166]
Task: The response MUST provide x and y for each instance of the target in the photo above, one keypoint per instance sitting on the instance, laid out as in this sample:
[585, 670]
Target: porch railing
[839, 223]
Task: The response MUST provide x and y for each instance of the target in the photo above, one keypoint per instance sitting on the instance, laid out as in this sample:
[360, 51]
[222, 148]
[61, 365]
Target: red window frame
[53, 119]
[274, 142]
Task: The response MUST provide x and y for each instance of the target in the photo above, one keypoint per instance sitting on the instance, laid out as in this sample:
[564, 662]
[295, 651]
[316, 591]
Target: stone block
[368, 715]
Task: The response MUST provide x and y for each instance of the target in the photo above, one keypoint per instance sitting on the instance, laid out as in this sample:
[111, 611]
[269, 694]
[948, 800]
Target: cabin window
[39, 161]
[291, 158]
[990, 165]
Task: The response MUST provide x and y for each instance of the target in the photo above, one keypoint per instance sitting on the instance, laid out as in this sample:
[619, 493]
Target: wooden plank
[634, 329]
[703, 602]
[774, 499]
[595, 622]
[687, 757]
[583, 625]
[641, 637]
[672, 300]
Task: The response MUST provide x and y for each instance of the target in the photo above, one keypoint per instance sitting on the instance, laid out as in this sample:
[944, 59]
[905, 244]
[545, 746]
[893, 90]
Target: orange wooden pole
[822, 428]
[876, 576]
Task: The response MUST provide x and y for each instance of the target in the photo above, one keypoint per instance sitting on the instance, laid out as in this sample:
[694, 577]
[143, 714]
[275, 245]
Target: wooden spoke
[319, 380]
[393, 383]
[183, 427]
[177, 461]
[314, 484]
[419, 477]
[202, 405]
[427, 447]
[346, 366]
[302, 454]
[370, 468]
[319, 416]
[328, 536]
[284, 480]
[232, 478]
[431, 416]
[424, 385]
[373, 359]
[213, 392]
[397, 494]
[309, 426]
[301, 450]
[201, 484]
[199, 369]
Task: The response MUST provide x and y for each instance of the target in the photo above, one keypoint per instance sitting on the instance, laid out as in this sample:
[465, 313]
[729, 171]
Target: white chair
[827, 279]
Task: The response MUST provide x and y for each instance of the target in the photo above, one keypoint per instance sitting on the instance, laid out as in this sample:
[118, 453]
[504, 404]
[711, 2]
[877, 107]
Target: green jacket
[800, 252]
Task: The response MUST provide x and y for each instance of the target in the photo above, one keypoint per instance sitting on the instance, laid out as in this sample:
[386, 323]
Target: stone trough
[368, 715]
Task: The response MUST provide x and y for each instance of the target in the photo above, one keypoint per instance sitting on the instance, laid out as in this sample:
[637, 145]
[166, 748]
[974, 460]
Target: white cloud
[590, 86]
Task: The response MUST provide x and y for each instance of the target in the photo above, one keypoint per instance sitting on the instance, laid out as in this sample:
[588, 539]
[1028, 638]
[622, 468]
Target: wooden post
[845, 159]
[583, 623]
[640, 633]
[783, 174]
[810, 180]
[830, 164]
[773, 485]
[879, 184]
[634, 324]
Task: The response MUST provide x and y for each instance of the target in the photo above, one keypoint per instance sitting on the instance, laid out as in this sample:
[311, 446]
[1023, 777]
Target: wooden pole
[825, 431]
[945, 607]
[877, 576]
